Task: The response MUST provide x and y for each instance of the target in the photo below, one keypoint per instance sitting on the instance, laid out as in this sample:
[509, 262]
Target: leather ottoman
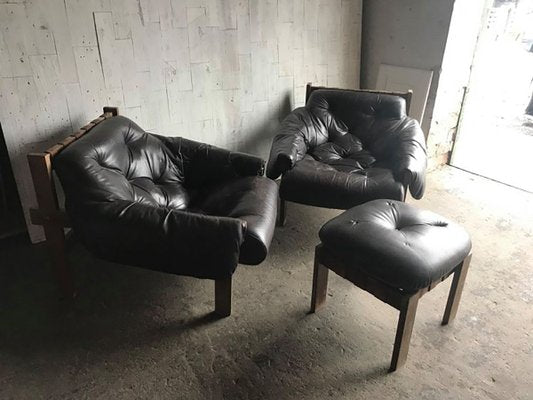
[397, 253]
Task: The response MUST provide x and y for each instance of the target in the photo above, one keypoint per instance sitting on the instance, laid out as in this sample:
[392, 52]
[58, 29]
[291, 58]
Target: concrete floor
[139, 334]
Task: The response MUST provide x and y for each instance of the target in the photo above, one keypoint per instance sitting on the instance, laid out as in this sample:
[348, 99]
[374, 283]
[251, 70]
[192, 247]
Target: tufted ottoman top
[396, 243]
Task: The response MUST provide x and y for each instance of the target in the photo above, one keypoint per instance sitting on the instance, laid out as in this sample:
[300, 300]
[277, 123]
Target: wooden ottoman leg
[223, 297]
[320, 285]
[404, 330]
[282, 210]
[456, 289]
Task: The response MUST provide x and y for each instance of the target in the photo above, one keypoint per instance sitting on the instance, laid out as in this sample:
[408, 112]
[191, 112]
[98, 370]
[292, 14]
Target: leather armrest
[284, 154]
[172, 241]
[290, 144]
[411, 157]
[205, 163]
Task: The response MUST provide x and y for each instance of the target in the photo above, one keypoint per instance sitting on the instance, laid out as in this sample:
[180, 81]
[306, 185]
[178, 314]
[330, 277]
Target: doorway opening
[494, 135]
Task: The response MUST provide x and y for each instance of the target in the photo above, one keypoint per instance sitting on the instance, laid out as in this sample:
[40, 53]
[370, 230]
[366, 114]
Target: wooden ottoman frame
[405, 302]
[54, 220]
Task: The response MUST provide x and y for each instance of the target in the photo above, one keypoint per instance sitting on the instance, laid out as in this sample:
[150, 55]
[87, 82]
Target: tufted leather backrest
[356, 108]
[117, 160]
[370, 117]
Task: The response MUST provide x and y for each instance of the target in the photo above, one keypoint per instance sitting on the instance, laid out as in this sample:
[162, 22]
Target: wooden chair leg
[282, 209]
[55, 242]
[456, 289]
[223, 297]
[320, 285]
[45, 191]
[403, 332]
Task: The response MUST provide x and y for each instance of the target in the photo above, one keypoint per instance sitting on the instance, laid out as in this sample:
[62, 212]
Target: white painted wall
[219, 71]
[407, 33]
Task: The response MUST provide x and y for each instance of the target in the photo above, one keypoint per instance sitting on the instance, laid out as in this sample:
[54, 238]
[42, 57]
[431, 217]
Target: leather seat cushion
[251, 199]
[342, 185]
[343, 152]
[396, 243]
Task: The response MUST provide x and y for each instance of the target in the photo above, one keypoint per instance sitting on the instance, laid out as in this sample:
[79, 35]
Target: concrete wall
[407, 33]
[220, 71]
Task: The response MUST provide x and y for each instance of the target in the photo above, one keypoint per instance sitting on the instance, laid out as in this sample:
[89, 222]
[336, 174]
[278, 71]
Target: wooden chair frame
[49, 214]
[282, 206]
[405, 302]
[54, 220]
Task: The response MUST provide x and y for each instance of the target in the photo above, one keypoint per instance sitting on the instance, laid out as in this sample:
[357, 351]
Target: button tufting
[418, 254]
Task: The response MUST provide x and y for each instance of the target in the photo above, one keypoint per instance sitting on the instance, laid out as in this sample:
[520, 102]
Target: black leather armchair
[347, 147]
[168, 203]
